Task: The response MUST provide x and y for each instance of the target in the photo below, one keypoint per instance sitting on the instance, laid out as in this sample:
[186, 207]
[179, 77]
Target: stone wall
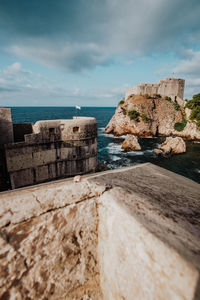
[49, 250]
[6, 136]
[56, 149]
[6, 126]
[171, 87]
[110, 236]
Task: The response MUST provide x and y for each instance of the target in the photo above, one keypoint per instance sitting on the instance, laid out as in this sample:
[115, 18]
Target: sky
[87, 52]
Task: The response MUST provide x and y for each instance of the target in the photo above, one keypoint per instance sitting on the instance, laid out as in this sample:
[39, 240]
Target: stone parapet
[111, 235]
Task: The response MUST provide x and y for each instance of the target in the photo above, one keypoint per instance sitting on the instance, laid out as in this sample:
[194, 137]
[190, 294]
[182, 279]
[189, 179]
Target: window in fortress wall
[51, 130]
[75, 129]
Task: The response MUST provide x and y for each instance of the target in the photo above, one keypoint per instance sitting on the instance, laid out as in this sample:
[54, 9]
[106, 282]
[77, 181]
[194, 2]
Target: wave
[115, 158]
[114, 148]
[101, 133]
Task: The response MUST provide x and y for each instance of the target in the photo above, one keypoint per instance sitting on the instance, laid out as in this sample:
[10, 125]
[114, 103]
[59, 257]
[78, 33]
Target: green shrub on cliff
[168, 99]
[134, 115]
[121, 102]
[158, 96]
[195, 102]
[176, 105]
[144, 118]
[194, 105]
[179, 126]
[195, 114]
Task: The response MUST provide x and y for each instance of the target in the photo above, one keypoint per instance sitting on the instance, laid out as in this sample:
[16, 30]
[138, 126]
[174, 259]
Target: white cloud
[28, 88]
[190, 65]
[12, 69]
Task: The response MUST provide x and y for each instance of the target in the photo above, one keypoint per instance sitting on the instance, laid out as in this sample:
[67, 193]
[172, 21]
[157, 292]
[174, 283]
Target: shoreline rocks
[172, 145]
[131, 143]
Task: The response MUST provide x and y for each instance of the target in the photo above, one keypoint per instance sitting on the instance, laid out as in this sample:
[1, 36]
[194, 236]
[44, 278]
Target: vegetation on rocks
[144, 118]
[176, 105]
[123, 110]
[158, 96]
[168, 99]
[134, 115]
[121, 102]
[194, 105]
[179, 126]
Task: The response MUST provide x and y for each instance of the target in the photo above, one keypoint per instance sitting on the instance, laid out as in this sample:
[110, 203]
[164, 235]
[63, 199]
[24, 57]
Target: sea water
[109, 146]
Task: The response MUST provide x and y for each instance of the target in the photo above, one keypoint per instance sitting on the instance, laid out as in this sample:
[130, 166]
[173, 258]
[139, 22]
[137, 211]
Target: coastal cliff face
[144, 117]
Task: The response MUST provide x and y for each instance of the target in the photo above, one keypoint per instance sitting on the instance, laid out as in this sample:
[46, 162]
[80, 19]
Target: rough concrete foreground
[127, 234]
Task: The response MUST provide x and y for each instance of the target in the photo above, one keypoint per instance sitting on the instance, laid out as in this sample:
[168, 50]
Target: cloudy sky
[87, 52]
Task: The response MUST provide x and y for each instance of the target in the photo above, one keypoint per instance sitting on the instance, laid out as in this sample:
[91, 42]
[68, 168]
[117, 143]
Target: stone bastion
[47, 150]
[131, 233]
[169, 87]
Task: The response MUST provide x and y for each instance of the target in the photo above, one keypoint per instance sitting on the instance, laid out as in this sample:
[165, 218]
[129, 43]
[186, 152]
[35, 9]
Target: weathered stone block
[19, 162]
[42, 173]
[66, 153]
[22, 178]
[44, 157]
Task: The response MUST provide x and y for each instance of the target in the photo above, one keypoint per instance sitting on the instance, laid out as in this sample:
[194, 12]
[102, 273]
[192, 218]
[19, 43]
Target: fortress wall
[171, 87]
[67, 130]
[29, 164]
[57, 149]
[132, 91]
[6, 126]
[110, 236]
[6, 136]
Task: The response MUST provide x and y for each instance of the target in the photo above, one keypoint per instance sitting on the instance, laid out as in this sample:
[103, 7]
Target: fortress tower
[171, 87]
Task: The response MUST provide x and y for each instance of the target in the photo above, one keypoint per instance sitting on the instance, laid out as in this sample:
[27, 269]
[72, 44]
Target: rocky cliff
[147, 116]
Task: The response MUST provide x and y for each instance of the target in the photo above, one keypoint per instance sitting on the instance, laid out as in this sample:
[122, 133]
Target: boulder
[131, 143]
[157, 152]
[173, 145]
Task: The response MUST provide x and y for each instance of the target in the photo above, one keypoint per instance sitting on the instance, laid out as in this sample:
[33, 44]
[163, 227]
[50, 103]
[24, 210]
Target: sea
[109, 146]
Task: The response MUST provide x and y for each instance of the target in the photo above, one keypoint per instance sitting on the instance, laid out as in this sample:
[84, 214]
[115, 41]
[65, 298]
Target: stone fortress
[46, 150]
[170, 87]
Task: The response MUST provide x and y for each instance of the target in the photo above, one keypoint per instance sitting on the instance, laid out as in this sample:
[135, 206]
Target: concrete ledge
[143, 237]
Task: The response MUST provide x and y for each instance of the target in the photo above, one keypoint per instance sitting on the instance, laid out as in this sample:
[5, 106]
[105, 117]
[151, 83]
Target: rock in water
[157, 152]
[131, 143]
[171, 145]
